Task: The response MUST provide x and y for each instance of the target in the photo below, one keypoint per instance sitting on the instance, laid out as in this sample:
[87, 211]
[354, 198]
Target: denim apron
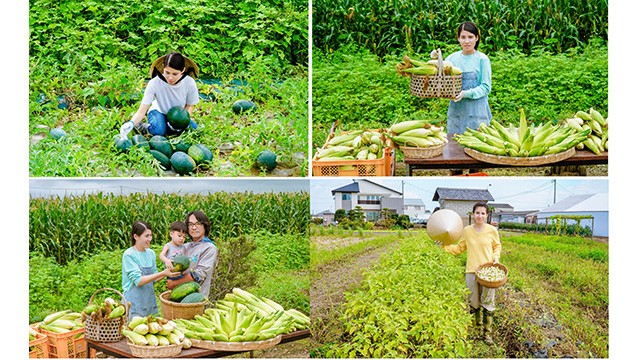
[142, 298]
[468, 113]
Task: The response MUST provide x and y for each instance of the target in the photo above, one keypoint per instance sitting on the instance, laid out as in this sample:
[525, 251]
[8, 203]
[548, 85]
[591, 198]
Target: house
[595, 205]
[371, 197]
[461, 200]
[522, 216]
[327, 217]
[416, 210]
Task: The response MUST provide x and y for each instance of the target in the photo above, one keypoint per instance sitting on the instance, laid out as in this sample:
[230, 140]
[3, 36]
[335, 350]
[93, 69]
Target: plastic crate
[66, 345]
[379, 167]
[39, 347]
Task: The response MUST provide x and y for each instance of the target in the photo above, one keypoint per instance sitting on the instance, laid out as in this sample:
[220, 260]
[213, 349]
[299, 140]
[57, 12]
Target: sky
[521, 193]
[43, 187]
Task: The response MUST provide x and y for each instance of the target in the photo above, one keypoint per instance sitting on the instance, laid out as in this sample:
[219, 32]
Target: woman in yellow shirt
[482, 243]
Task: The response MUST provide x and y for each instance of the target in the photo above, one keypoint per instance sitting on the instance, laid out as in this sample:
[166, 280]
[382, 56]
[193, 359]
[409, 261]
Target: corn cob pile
[109, 309]
[353, 145]
[523, 141]
[416, 67]
[155, 331]
[598, 138]
[62, 322]
[417, 133]
[242, 316]
[32, 333]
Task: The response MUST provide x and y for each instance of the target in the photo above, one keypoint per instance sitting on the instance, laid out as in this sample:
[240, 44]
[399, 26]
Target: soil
[329, 284]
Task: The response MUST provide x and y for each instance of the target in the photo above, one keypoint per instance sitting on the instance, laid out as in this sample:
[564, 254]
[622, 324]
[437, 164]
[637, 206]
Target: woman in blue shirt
[470, 107]
[139, 272]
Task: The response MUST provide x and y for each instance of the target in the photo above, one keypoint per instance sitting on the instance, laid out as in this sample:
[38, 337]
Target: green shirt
[478, 63]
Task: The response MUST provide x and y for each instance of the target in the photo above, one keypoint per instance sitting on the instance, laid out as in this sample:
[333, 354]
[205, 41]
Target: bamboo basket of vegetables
[525, 145]
[492, 275]
[104, 322]
[432, 79]
[418, 139]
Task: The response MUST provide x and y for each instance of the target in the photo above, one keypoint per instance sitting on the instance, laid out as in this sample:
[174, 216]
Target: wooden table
[120, 349]
[454, 157]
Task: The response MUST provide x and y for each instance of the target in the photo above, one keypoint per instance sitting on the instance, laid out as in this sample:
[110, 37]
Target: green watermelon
[57, 133]
[160, 143]
[178, 117]
[181, 263]
[141, 142]
[200, 153]
[267, 159]
[122, 143]
[181, 145]
[241, 106]
[182, 163]
[165, 163]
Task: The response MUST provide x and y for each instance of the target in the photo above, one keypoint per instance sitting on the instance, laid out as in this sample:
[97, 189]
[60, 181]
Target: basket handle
[123, 302]
[440, 72]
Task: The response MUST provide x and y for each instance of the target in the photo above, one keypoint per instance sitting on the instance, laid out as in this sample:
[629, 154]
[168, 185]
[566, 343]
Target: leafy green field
[555, 304]
[88, 64]
[362, 91]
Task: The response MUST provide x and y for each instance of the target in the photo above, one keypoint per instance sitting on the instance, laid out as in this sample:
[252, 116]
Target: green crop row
[387, 27]
[76, 226]
[410, 304]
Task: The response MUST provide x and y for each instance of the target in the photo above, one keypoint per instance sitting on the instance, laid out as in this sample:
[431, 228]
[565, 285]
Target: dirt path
[328, 286]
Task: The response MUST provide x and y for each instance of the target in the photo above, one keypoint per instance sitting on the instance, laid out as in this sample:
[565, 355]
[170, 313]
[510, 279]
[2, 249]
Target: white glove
[126, 128]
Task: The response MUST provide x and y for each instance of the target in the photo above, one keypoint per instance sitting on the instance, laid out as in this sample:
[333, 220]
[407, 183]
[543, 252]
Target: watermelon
[200, 153]
[181, 145]
[182, 163]
[57, 133]
[178, 118]
[122, 143]
[241, 106]
[180, 263]
[141, 142]
[160, 143]
[267, 159]
[165, 163]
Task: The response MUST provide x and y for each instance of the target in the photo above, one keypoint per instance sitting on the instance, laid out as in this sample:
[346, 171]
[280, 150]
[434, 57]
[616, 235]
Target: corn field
[72, 227]
[402, 26]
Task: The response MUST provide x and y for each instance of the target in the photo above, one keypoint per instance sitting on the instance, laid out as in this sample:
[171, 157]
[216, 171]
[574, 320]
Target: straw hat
[445, 226]
[190, 67]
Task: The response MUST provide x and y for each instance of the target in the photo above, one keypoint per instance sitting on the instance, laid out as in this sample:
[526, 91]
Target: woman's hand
[126, 128]
[459, 96]
[168, 264]
[168, 272]
[495, 261]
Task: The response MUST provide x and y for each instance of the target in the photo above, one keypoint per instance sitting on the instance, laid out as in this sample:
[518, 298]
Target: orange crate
[39, 348]
[66, 345]
[378, 167]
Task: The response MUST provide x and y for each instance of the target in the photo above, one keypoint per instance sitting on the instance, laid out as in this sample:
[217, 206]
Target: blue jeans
[158, 124]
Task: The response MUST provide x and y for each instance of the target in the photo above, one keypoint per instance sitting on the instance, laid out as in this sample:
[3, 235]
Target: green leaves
[410, 304]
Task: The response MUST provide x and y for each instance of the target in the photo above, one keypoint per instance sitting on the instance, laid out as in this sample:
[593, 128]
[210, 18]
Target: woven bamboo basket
[520, 161]
[436, 86]
[493, 284]
[39, 347]
[143, 351]
[422, 153]
[107, 330]
[236, 346]
[174, 310]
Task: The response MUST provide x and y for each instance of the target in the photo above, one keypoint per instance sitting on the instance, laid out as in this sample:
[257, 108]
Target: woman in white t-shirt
[172, 84]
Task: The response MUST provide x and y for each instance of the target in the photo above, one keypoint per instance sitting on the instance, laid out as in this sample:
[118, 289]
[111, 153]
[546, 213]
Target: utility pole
[402, 197]
[554, 190]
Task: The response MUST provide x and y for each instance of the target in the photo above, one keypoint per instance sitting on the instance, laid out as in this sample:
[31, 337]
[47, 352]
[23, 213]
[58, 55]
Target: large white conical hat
[445, 226]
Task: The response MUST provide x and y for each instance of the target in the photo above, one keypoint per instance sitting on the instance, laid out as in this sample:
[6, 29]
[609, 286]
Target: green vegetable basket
[106, 330]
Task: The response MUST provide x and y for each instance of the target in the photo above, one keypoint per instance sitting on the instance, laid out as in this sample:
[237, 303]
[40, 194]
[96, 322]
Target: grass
[321, 255]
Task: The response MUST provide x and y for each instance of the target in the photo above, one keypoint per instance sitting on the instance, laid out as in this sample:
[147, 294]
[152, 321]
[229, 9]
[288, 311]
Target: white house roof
[354, 187]
[580, 203]
[413, 202]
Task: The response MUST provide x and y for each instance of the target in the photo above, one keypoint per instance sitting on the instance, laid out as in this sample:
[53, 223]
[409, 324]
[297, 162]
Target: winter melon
[122, 143]
[241, 106]
[181, 291]
[267, 159]
[141, 142]
[178, 118]
[193, 298]
[182, 163]
[160, 143]
[200, 153]
[57, 133]
[164, 161]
